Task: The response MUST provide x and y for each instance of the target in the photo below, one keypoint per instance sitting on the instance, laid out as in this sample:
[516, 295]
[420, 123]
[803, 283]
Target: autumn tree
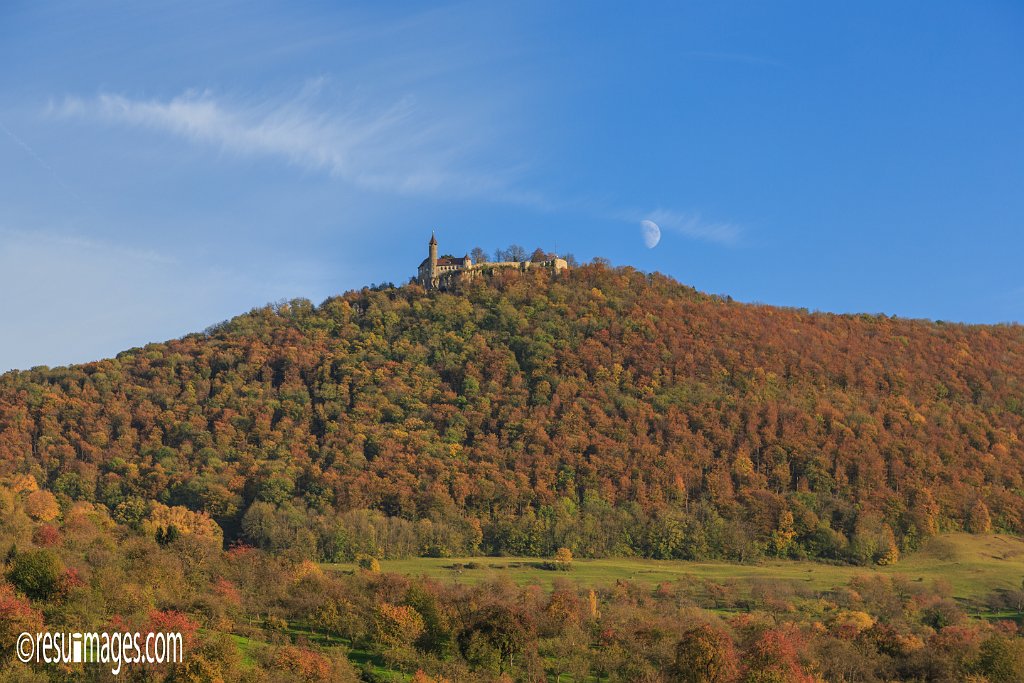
[889, 552]
[781, 541]
[398, 626]
[563, 559]
[1001, 659]
[303, 664]
[978, 519]
[775, 656]
[42, 505]
[17, 616]
[705, 655]
[368, 563]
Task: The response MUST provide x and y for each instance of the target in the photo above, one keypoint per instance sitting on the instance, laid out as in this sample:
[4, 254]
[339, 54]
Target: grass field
[973, 565]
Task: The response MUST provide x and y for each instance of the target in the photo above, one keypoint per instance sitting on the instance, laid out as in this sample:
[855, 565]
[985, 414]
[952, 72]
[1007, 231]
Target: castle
[444, 272]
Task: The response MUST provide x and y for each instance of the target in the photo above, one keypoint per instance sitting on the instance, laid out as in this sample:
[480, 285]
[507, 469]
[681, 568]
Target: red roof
[445, 261]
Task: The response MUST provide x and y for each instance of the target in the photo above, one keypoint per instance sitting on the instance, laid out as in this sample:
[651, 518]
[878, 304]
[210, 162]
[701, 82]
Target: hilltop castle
[444, 272]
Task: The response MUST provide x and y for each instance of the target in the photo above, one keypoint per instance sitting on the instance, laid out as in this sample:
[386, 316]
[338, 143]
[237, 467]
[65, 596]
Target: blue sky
[166, 165]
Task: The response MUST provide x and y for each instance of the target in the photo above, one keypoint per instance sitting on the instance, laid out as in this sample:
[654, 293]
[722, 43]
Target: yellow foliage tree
[398, 625]
[890, 552]
[307, 568]
[164, 517]
[852, 623]
[595, 613]
[563, 559]
[42, 506]
[367, 563]
[782, 538]
[23, 483]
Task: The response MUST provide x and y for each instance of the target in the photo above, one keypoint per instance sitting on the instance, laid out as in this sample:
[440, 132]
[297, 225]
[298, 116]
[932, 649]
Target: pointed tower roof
[433, 238]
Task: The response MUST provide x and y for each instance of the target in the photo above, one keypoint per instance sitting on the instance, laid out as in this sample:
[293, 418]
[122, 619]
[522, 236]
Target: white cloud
[382, 143]
[692, 225]
[398, 146]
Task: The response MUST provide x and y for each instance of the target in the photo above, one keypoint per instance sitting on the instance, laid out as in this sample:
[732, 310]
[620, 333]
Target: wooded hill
[606, 410]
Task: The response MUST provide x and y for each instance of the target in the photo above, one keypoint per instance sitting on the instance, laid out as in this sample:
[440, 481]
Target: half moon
[651, 233]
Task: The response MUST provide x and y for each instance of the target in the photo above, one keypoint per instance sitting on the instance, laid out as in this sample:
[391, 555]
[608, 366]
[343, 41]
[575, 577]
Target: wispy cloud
[692, 225]
[395, 147]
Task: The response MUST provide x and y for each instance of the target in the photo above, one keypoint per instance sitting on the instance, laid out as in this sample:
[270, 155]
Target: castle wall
[433, 275]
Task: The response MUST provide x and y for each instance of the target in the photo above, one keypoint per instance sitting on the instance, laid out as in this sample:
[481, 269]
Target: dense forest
[205, 485]
[607, 411]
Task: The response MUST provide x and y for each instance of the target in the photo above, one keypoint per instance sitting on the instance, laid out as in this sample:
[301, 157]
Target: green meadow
[973, 565]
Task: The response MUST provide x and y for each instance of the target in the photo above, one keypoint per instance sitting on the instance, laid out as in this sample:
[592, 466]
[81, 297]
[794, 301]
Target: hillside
[607, 410]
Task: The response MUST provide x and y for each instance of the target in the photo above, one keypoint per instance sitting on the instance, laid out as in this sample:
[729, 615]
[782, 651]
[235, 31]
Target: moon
[651, 233]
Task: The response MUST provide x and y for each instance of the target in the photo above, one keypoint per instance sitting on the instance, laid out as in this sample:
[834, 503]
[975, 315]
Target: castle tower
[446, 272]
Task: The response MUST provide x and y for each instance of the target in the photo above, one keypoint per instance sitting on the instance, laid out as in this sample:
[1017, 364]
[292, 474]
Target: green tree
[37, 573]
[497, 631]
